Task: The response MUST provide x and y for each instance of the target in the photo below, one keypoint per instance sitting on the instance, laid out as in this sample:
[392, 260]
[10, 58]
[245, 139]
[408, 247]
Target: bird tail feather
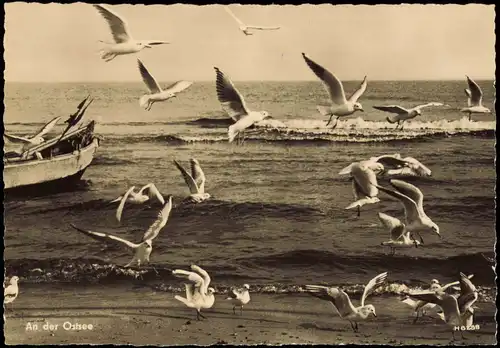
[232, 133]
[143, 102]
[361, 202]
[182, 299]
[391, 119]
[324, 110]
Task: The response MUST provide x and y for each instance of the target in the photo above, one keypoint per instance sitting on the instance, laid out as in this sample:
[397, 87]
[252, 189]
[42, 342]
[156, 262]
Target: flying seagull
[157, 94]
[195, 181]
[401, 114]
[35, 139]
[198, 294]
[364, 187]
[146, 193]
[142, 250]
[342, 303]
[247, 29]
[400, 236]
[124, 43]
[474, 99]
[340, 105]
[234, 105]
[392, 165]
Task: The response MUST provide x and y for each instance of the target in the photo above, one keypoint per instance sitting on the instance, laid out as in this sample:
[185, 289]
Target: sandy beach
[44, 314]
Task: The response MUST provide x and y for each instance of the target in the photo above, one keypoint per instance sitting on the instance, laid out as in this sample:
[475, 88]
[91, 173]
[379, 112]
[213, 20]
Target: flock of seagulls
[455, 310]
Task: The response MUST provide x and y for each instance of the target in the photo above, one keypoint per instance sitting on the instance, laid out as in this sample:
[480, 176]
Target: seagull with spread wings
[400, 236]
[401, 114]
[364, 181]
[457, 311]
[146, 193]
[124, 43]
[142, 250]
[247, 29]
[340, 105]
[412, 199]
[234, 105]
[198, 294]
[342, 303]
[157, 93]
[392, 165]
[195, 181]
[474, 99]
[35, 139]
[239, 297]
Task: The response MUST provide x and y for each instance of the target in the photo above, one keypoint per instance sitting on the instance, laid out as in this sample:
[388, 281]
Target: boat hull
[38, 176]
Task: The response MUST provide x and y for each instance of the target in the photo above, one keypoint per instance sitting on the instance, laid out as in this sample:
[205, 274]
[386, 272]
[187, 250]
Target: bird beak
[361, 110]
[148, 46]
[374, 315]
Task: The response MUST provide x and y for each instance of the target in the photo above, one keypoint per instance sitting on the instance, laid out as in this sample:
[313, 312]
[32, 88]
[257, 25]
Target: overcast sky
[55, 43]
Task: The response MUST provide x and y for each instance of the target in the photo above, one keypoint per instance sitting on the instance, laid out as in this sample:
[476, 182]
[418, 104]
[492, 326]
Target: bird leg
[462, 334]
[416, 318]
[241, 310]
[336, 122]
[356, 327]
[393, 251]
[234, 310]
[352, 326]
[359, 211]
[470, 114]
[201, 315]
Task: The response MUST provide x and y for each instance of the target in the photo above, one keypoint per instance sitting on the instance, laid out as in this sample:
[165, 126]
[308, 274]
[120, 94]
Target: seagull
[246, 29]
[11, 291]
[456, 311]
[474, 99]
[400, 236]
[76, 117]
[393, 165]
[143, 249]
[36, 139]
[402, 114]
[239, 297]
[146, 193]
[342, 303]
[198, 294]
[124, 43]
[343, 106]
[157, 94]
[412, 200]
[195, 181]
[233, 104]
[364, 186]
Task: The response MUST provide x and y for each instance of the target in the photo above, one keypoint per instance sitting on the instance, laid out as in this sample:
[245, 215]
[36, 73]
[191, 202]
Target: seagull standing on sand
[412, 200]
[234, 105]
[35, 139]
[246, 29]
[195, 181]
[198, 294]
[11, 291]
[146, 193]
[143, 249]
[157, 94]
[364, 185]
[474, 99]
[239, 297]
[402, 114]
[124, 43]
[400, 236]
[340, 105]
[456, 311]
[342, 303]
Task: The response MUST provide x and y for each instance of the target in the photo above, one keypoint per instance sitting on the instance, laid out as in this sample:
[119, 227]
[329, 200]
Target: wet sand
[121, 315]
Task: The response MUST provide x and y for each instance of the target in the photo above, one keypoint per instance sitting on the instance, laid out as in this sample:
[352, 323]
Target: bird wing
[452, 284]
[331, 83]
[337, 297]
[372, 285]
[178, 86]
[417, 166]
[489, 259]
[118, 26]
[261, 27]
[119, 210]
[395, 109]
[152, 191]
[233, 293]
[9, 290]
[16, 139]
[231, 100]
[411, 207]
[234, 16]
[198, 175]
[476, 94]
[365, 179]
[159, 223]
[409, 190]
[428, 104]
[437, 297]
[393, 224]
[468, 94]
[204, 274]
[191, 276]
[359, 92]
[346, 170]
[193, 188]
[105, 237]
[391, 161]
[148, 79]
[47, 127]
